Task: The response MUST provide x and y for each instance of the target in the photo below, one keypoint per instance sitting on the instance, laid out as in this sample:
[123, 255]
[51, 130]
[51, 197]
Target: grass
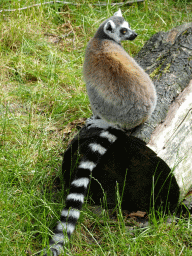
[43, 97]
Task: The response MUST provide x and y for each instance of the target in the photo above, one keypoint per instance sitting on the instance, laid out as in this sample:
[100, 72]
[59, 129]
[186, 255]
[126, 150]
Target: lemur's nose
[133, 35]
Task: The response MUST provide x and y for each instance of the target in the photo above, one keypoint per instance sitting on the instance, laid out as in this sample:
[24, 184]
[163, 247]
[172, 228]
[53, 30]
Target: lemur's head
[116, 28]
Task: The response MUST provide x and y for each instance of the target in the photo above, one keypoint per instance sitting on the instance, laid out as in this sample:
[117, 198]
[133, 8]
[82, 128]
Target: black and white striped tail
[74, 201]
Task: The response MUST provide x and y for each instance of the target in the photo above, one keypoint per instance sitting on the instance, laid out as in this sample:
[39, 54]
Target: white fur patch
[87, 165]
[97, 148]
[98, 123]
[81, 182]
[58, 238]
[118, 13]
[69, 227]
[125, 24]
[111, 138]
[70, 213]
[76, 197]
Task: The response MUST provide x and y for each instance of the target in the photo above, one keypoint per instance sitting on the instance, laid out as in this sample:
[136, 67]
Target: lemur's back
[119, 90]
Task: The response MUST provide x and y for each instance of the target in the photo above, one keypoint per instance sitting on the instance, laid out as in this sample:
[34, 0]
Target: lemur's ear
[109, 27]
[118, 13]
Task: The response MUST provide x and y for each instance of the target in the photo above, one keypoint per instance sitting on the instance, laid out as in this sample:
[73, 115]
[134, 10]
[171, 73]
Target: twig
[122, 3]
[33, 5]
[69, 3]
[59, 37]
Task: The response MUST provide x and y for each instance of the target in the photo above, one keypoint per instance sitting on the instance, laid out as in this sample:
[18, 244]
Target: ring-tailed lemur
[119, 90]
[122, 94]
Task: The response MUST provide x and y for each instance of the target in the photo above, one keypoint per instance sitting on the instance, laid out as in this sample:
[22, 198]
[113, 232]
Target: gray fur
[124, 114]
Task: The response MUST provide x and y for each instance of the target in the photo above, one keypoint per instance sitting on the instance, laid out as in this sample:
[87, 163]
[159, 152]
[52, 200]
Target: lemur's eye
[123, 31]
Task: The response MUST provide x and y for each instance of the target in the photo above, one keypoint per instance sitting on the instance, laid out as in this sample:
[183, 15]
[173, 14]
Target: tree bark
[167, 58]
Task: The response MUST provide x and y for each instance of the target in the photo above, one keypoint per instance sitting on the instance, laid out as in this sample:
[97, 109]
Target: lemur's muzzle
[132, 35]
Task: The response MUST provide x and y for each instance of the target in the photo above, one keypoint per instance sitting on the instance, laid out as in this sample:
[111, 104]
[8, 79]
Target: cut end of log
[172, 139]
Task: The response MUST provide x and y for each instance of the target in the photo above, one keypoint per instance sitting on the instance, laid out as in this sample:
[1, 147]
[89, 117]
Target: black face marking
[109, 27]
[123, 31]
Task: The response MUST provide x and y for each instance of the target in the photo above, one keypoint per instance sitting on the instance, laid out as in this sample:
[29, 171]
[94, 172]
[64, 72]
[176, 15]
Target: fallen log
[159, 173]
[167, 57]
